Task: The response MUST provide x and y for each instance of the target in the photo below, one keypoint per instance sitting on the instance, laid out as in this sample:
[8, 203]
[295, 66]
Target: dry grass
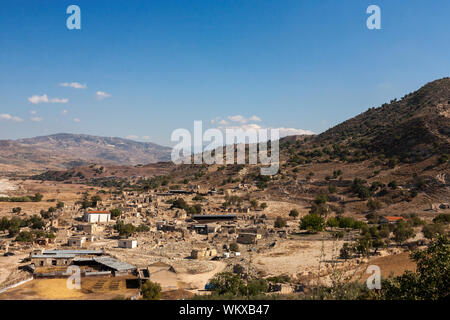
[56, 289]
[394, 265]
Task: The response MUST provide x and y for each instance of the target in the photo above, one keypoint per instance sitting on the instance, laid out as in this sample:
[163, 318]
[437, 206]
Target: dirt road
[199, 280]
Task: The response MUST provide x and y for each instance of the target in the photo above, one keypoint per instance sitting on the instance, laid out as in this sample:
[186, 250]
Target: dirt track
[8, 264]
[201, 279]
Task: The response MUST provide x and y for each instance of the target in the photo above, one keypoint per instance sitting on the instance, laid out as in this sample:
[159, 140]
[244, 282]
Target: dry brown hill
[62, 151]
[415, 127]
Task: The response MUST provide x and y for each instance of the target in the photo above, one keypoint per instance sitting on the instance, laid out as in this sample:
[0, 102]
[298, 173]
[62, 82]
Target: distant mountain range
[65, 150]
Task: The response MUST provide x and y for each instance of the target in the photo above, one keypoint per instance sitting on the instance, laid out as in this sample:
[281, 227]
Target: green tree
[294, 213]
[4, 224]
[25, 236]
[142, 228]
[115, 213]
[125, 230]
[393, 184]
[384, 231]
[433, 230]
[332, 222]
[402, 232]
[151, 290]
[373, 204]
[332, 188]
[234, 247]
[363, 245]
[37, 197]
[279, 222]
[320, 199]
[94, 200]
[227, 283]
[255, 287]
[346, 251]
[312, 222]
[443, 217]
[17, 210]
[346, 222]
[179, 203]
[360, 189]
[431, 281]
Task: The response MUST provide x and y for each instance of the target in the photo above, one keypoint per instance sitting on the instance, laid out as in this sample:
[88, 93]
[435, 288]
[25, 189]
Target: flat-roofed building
[76, 241]
[97, 216]
[89, 228]
[127, 243]
[248, 238]
[45, 258]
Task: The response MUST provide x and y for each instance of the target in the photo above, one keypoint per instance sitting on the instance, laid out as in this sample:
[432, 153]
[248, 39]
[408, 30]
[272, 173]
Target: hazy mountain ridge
[66, 150]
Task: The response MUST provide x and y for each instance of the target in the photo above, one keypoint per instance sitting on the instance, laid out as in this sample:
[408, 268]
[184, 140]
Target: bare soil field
[392, 265]
[52, 191]
[297, 257]
[199, 280]
[56, 289]
[8, 265]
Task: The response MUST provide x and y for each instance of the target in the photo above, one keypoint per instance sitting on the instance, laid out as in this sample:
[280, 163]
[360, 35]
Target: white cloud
[215, 120]
[241, 122]
[243, 127]
[75, 85]
[284, 132]
[36, 99]
[138, 138]
[102, 95]
[9, 117]
[58, 100]
[76, 120]
[33, 112]
[254, 118]
[36, 119]
[64, 112]
[238, 118]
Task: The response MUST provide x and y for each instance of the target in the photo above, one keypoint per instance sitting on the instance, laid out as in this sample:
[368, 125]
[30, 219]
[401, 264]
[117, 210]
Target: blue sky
[163, 64]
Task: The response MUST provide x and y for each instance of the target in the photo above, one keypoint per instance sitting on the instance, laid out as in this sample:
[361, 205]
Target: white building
[97, 216]
[127, 243]
[76, 241]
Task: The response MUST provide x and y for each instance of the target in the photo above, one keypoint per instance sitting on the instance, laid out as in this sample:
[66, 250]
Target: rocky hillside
[415, 127]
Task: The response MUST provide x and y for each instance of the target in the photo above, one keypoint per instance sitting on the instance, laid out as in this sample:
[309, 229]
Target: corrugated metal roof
[114, 264]
[83, 259]
[73, 252]
[55, 256]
